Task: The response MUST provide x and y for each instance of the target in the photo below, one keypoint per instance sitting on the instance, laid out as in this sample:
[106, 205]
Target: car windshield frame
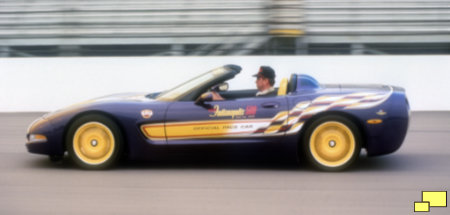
[193, 84]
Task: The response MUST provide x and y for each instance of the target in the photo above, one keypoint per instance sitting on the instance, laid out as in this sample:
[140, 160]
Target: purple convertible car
[327, 124]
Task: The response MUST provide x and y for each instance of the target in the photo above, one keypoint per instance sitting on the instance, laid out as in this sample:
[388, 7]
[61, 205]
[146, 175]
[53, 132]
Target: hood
[138, 97]
[122, 97]
[114, 98]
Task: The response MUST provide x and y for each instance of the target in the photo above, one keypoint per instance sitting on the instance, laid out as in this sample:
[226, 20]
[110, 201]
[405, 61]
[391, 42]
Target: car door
[247, 120]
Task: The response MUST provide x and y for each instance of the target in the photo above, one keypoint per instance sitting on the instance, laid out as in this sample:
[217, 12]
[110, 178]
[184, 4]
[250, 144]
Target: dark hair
[271, 81]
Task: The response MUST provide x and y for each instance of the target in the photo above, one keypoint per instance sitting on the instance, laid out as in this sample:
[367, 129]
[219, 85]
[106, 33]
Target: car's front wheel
[94, 142]
[332, 143]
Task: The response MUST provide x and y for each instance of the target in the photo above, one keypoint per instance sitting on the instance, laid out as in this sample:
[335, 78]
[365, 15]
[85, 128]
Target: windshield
[187, 87]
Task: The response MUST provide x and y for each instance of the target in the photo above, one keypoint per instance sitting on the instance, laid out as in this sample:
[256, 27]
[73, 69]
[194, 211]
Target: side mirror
[205, 97]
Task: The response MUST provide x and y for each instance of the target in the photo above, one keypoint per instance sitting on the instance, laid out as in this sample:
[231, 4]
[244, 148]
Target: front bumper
[37, 137]
[39, 148]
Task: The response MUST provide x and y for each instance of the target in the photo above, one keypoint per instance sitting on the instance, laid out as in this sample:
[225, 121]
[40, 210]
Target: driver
[265, 79]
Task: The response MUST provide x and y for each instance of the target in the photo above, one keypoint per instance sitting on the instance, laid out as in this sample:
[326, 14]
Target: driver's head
[265, 78]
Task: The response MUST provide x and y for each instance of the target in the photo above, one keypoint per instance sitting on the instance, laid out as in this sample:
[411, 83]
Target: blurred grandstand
[222, 27]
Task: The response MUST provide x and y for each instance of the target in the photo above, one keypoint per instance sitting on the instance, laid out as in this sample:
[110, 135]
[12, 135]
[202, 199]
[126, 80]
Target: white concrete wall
[47, 84]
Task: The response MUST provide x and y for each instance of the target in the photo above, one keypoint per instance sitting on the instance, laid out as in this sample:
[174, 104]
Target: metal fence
[213, 27]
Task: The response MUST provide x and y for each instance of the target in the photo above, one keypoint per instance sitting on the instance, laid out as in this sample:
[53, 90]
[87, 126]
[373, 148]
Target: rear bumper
[390, 138]
[392, 132]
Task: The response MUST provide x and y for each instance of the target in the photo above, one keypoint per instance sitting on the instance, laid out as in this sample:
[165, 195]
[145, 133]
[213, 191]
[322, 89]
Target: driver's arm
[216, 96]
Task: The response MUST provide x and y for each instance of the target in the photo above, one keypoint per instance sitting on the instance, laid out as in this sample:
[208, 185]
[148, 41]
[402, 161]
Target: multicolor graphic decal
[240, 113]
[287, 121]
[381, 113]
[147, 113]
[284, 122]
[203, 129]
[302, 111]
[217, 112]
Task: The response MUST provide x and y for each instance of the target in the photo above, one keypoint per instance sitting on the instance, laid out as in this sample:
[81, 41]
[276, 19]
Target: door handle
[270, 105]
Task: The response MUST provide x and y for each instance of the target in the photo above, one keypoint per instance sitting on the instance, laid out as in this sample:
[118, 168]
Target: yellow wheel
[94, 142]
[332, 143]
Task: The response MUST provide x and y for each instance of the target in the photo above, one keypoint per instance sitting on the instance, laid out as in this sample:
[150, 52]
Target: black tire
[331, 143]
[94, 142]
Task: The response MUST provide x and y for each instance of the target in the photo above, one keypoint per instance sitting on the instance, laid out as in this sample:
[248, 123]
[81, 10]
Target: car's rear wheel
[332, 143]
[94, 142]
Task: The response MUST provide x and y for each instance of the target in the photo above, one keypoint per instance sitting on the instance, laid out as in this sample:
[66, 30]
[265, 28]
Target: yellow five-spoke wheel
[94, 142]
[332, 143]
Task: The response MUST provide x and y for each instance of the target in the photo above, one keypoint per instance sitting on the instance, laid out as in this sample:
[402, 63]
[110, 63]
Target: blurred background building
[31, 28]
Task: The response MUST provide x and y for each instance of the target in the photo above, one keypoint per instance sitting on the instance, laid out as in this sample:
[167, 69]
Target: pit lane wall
[47, 84]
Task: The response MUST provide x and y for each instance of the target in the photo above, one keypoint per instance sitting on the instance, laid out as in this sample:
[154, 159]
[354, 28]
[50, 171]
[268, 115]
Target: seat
[282, 90]
[292, 86]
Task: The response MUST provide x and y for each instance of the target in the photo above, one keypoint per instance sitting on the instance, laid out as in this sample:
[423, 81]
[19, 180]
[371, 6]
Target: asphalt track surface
[243, 184]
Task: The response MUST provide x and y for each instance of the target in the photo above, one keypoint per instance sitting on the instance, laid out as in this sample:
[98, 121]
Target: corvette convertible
[328, 124]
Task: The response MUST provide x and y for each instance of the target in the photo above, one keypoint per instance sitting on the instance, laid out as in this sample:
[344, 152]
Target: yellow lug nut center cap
[332, 143]
[94, 143]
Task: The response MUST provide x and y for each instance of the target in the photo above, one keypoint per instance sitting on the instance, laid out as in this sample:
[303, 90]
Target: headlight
[37, 138]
